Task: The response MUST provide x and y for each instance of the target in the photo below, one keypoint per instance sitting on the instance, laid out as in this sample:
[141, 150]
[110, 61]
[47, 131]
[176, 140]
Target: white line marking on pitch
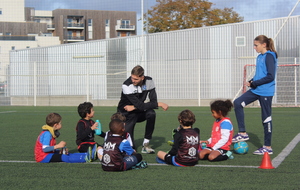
[286, 151]
[150, 164]
[218, 166]
[7, 111]
[275, 162]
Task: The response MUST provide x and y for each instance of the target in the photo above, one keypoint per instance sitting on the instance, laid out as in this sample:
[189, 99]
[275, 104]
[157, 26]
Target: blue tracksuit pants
[266, 112]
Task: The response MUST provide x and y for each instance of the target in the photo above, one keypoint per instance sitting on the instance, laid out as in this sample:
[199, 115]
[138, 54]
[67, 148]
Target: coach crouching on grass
[132, 104]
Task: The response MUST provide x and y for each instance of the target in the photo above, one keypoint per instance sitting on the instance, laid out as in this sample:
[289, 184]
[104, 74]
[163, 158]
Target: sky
[251, 10]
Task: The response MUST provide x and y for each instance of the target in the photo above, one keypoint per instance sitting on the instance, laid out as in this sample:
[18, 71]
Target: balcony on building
[71, 38]
[50, 27]
[125, 27]
[75, 22]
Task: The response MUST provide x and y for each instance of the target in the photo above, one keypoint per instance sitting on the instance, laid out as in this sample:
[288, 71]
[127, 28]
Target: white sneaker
[147, 149]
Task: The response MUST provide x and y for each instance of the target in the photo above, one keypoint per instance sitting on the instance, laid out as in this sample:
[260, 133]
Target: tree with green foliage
[168, 15]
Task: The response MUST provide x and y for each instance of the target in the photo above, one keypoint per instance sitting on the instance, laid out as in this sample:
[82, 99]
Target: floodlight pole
[142, 28]
[142, 15]
[286, 19]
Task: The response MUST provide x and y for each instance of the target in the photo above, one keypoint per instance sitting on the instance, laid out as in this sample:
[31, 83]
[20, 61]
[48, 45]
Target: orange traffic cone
[266, 162]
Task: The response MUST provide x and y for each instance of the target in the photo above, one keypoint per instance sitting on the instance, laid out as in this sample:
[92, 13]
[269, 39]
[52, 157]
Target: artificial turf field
[20, 127]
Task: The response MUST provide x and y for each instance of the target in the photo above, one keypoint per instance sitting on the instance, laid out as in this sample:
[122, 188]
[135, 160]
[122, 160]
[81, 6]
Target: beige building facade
[16, 33]
[12, 11]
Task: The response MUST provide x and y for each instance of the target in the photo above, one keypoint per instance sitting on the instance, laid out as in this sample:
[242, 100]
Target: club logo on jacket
[109, 146]
[106, 158]
[192, 140]
[192, 151]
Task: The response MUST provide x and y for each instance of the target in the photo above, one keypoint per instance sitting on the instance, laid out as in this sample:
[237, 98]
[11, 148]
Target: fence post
[34, 83]
[295, 80]
[199, 84]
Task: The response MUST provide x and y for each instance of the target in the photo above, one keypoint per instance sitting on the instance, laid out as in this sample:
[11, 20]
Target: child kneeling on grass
[184, 151]
[46, 150]
[218, 145]
[118, 154]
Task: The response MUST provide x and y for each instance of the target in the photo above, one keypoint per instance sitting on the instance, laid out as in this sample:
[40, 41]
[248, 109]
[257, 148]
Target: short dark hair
[84, 108]
[187, 118]
[53, 118]
[138, 71]
[119, 116]
[116, 126]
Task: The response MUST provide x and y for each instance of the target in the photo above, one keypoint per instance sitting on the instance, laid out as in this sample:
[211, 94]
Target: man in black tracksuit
[132, 104]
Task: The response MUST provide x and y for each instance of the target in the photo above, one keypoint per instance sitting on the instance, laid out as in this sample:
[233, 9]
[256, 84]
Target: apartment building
[72, 25]
[24, 27]
[16, 33]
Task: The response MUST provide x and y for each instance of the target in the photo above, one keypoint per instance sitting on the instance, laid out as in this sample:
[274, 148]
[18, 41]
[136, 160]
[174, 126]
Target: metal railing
[125, 27]
[75, 25]
[18, 38]
[75, 37]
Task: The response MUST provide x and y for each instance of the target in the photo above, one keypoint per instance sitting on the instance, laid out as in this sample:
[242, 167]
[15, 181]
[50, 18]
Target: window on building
[90, 35]
[125, 22]
[240, 41]
[90, 22]
[119, 34]
[128, 33]
[13, 47]
[37, 20]
[107, 29]
[90, 29]
[8, 33]
[107, 35]
[70, 34]
[0, 11]
[27, 47]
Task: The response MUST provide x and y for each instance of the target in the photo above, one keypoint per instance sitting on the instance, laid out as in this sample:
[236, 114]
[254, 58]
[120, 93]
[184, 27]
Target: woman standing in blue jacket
[262, 89]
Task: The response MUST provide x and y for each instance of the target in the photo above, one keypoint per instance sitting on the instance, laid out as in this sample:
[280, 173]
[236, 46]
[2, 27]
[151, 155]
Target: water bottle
[229, 154]
[99, 130]
[203, 145]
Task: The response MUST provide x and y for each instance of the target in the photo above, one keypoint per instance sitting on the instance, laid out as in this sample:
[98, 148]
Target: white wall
[43, 41]
[12, 11]
[6, 46]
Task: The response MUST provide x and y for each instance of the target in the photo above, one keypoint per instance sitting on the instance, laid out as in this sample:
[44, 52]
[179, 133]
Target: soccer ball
[241, 147]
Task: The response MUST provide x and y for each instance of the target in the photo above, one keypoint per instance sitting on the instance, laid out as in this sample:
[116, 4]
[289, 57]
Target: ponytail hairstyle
[269, 43]
[221, 106]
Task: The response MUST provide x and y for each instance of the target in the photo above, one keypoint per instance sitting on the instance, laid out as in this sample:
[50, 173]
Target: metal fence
[189, 67]
[179, 82]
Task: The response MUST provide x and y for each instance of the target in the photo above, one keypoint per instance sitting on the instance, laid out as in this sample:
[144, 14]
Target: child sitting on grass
[46, 150]
[85, 130]
[126, 135]
[118, 154]
[218, 146]
[184, 151]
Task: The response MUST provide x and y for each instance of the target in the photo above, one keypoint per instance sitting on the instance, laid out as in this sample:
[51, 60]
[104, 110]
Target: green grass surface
[20, 127]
